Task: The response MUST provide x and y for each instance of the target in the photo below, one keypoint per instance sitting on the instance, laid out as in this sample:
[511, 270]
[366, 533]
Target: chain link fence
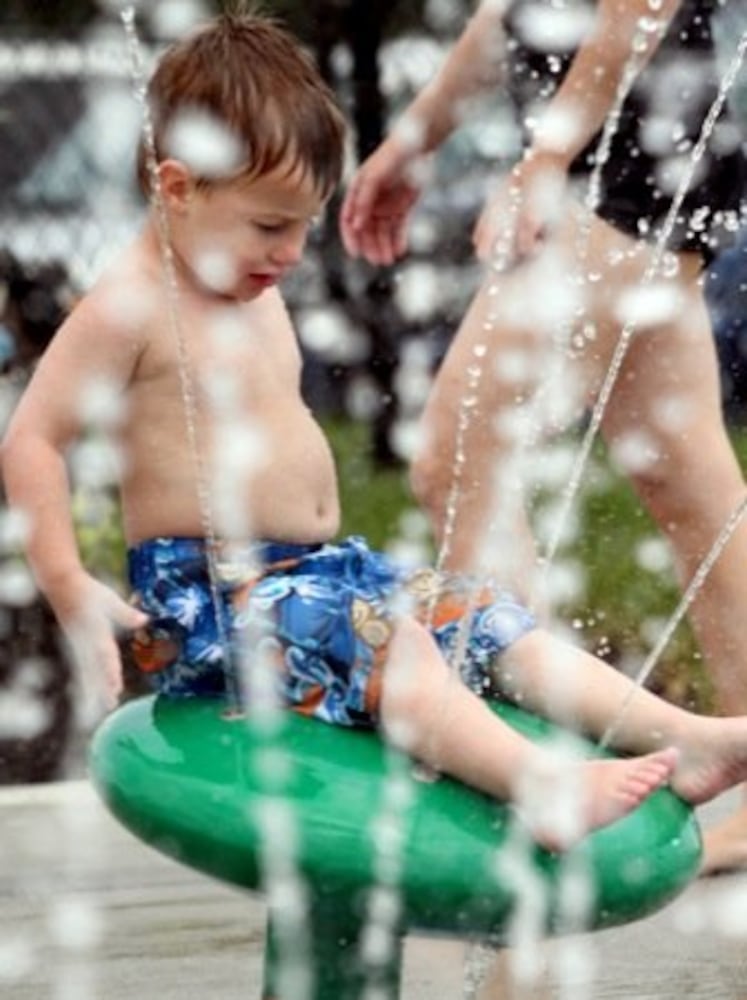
[68, 132]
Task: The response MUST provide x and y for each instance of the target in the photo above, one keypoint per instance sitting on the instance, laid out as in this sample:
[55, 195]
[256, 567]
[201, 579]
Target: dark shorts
[326, 613]
[656, 134]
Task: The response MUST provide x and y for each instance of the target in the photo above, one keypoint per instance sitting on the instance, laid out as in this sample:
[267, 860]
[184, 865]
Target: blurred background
[69, 123]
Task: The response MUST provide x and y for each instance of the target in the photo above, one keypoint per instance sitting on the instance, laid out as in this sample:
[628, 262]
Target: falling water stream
[475, 374]
[186, 374]
[286, 891]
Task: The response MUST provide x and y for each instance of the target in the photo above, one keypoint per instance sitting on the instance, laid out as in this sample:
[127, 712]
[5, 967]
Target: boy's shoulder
[121, 299]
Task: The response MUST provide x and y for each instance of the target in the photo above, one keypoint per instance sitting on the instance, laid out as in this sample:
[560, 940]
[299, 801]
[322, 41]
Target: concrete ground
[87, 912]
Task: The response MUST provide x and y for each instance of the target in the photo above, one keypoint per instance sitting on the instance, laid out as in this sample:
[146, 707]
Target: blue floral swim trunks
[327, 611]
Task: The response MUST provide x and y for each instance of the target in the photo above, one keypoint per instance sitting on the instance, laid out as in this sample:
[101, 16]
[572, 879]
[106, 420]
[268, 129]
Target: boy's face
[241, 237]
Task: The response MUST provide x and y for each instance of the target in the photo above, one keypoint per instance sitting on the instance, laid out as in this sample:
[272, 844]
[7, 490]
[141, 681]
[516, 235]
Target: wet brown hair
[252, 77]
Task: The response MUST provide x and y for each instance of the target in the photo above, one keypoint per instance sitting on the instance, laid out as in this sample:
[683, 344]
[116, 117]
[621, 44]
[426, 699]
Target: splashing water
[286, 890]
[633, 65]
[464, 415]
[477, 963]
[656, 267]
[379, 903]
[735, 519]
[500, 262]
[380, 934]
[501, 257]
[287, 894]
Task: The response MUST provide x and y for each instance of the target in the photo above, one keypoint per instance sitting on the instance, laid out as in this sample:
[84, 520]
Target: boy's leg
[427, 711]
[564, 683]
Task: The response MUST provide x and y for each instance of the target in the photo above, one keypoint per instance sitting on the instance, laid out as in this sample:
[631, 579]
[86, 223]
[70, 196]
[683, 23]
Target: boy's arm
[36, 483]
[47, 420]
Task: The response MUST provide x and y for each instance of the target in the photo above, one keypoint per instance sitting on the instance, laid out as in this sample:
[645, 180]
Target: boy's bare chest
[218, 364]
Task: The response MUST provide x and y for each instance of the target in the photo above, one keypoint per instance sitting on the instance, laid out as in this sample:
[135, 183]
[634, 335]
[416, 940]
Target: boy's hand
[91, 615]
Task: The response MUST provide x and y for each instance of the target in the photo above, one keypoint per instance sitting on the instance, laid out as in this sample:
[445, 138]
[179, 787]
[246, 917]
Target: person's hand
[91, 615]
[521, 212]
[377, 205]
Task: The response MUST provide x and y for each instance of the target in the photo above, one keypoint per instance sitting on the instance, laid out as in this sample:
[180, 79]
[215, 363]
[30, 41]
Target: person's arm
[475, 64]
[377, 205]
[623, 37]
[47, 420]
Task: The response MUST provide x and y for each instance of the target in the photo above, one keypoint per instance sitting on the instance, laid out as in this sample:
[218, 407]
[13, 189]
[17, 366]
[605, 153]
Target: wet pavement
[87, 912]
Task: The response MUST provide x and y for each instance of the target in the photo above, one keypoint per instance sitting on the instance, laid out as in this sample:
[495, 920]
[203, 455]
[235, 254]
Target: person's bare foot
[725, 845]
[563, 801]
[713, 758]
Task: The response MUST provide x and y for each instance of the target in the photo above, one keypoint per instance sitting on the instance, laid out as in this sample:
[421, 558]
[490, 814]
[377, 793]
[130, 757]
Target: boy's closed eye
[270, 227]
[280, 225]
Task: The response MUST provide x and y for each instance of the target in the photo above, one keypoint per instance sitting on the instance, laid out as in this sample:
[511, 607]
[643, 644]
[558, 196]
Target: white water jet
[236, 456]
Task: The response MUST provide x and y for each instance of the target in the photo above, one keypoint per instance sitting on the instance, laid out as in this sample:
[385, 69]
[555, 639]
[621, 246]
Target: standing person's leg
[469, 471]
[667, 399]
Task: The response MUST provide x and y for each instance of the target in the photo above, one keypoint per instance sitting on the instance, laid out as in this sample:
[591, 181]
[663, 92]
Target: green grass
[624, 605]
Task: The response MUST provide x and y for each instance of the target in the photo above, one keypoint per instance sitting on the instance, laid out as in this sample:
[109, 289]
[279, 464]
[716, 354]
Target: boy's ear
[177, 184]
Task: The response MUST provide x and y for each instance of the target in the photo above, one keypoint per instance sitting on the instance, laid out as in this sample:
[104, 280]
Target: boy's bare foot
[564, 801]
[725, 845]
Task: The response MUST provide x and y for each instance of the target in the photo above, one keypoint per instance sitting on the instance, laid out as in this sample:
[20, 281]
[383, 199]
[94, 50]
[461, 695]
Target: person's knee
[652, 476]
